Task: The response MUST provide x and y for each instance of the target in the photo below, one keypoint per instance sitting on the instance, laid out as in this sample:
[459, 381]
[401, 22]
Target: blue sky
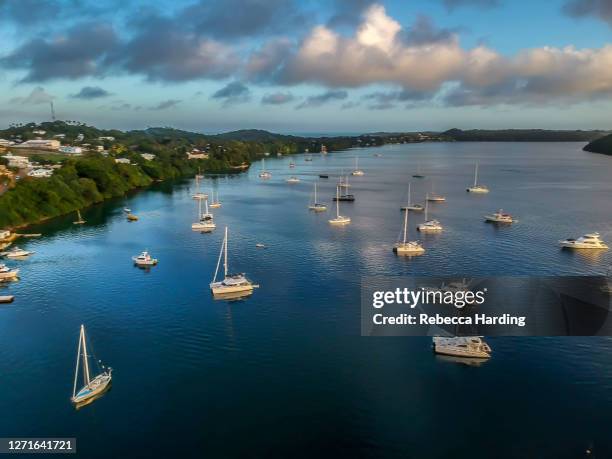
[308, 66]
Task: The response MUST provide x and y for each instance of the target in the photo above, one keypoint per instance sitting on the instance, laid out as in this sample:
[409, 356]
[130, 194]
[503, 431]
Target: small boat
[308, 158]
[339, 220]
[500, 217]
[92, 388]
[144, 260]
[7, 273]
[344, 183]
[316, 206]
[16, 252]
[406, 247]
[357, 172]
[475, 188]
[205, 223]
[198, 194]
[418, 173]
[344, 197]
[468, 346]
[432, 197]
[323, 149]
[293, 179]
[132, 218]
[291, 164]
[259, 245]
[199, 175]
[410, 206]
[7, 299]
[215, 204]
[231, 283]
[264, 174]
[79, 220]
[588, 241]
[429, 226]
[323, 176]
[377, 155]
[127, 210]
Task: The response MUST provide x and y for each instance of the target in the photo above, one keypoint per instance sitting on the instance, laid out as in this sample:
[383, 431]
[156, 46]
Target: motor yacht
[7, 273]
[588, 241]
[468, 346]
[500, 217]
[293, 179]
[16, 252]
[144, 260]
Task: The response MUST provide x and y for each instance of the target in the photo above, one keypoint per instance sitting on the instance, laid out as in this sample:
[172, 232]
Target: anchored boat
[231, 283]
[92, 388]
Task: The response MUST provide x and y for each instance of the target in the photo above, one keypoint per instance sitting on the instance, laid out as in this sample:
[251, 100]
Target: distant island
[54, 168]
[601, 145]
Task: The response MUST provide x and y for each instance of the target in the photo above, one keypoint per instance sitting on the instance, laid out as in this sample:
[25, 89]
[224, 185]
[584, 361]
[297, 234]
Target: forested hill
[601, 145]
[522, 135]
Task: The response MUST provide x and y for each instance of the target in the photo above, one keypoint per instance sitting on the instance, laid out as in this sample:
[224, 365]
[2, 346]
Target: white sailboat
[429, 226]
[406, 247]
[434, 197]
[316, 206]
[410, 206]
[91, 387]
[357, 172]
[264, 174]
[231, 283]
[215, 204]
[205, 223]
[475, 188]
[79, 220]
[198, 194]
[339, 220]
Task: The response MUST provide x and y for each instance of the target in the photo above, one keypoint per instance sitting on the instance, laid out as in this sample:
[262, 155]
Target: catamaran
[316, 206]
[232, 283]
[264, 174]
[215, 204]
[475, 188]
[588, 241]
[205, 223]
[410, 206]
[92, 387]
[429, 226]
[358, 172]
[79, 220]
[405, 247]
[339, 220]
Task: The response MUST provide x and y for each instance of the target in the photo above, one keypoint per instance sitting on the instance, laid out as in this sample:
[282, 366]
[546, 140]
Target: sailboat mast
[199, 209]
[405, 225]
[315, 201]
[206, 204]
[476, 175]
[337, 201]
[85, 359]
[426, 205]
[76, 371]
[225, 261]
[409, 193]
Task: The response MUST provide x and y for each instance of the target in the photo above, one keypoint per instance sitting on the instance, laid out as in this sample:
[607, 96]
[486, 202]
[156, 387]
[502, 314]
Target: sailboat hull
[95, 388]
[220, 288]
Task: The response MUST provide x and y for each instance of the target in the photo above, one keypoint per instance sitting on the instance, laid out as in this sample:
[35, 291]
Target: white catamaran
[475, 188]
[411, 206]
[206, 222]
[91, 387]
[232, 283]
[429, 226]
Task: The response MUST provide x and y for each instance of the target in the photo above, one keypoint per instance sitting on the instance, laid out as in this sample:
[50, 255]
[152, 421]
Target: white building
[122, 161]
[40, 173]
[59, 136]
[148, 156]
[71, 150]
[20, 162]
[39, 144]
[197, 154]
[39, 132]
[109, 138]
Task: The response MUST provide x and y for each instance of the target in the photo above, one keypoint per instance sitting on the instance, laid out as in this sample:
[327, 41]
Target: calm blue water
[285, 372]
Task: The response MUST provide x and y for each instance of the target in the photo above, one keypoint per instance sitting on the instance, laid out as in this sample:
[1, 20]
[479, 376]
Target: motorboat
[16, 252]
[476, 188]
[462, 346]
[132, 218]
[231, 283]
[92, 387]
[293, 179]
[292, 165]
[500, 217]
[144, 260]
[406, 247]
[435, 198]
[323, 176]
[7, 273]
[588, 241]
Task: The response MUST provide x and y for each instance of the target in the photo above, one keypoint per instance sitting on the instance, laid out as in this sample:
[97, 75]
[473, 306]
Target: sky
[308, 66]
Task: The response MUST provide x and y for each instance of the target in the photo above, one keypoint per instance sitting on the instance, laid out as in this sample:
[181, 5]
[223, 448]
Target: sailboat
[232, 283]
[339, 220]
[198, 194]
[418, 174]
[429, 226]
[344, 183]
[205, 223]
[433, 197]
[410, 206]
[264, 174]
[317, 207]
[199, 174]
[406, 247]
[358, 172]
[475, 188]
[215, 204]
[92, 387]
[79, 220]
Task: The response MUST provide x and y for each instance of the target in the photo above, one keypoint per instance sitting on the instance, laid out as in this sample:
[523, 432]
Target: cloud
[423, 31]
[321, 99]
[76, 53]
[454, 4]
[381, 100]
[349, 104]
[29, 12]
[36, 97]
[91, 92]
[277, 98]
[233, 93]
[166, 104]
[348, 12]
[601, 9]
